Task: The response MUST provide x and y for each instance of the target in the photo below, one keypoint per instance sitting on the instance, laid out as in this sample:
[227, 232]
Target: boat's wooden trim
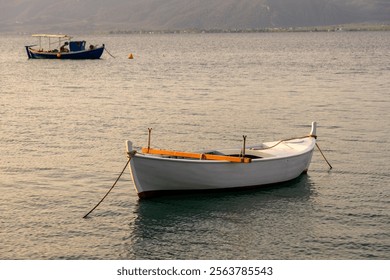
[195, 155]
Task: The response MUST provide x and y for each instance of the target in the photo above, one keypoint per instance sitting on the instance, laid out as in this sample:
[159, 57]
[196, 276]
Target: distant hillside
[105, 15]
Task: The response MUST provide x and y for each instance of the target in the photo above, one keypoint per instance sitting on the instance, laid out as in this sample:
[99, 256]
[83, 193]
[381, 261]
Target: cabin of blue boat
[76, 46]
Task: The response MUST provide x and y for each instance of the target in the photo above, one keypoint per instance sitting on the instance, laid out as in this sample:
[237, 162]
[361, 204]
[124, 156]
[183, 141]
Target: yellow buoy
[131, 56]
[58, 55]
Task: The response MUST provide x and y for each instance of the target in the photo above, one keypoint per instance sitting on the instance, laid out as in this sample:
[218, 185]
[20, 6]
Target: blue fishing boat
[65, 48]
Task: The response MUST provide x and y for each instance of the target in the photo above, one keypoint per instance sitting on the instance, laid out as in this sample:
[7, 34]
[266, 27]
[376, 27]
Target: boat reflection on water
[228, 225]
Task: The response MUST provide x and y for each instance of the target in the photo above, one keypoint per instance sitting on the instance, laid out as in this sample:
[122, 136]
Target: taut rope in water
[128, 161]
[109, 52]
[330, 166]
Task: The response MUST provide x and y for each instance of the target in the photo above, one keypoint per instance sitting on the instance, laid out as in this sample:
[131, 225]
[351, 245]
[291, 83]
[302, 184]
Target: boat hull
[153, 176]
[85, 54]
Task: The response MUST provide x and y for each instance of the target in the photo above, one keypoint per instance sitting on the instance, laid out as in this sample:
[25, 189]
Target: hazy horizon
[30, 16]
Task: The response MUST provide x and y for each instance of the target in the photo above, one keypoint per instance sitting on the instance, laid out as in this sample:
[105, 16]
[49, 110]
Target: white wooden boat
[155, 172]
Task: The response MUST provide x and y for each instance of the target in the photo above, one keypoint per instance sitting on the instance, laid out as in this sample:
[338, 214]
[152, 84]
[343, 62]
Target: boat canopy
[60, 36]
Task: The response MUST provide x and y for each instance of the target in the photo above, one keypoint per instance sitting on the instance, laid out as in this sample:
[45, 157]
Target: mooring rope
[128, 161]
[109, 52]
[330, 166]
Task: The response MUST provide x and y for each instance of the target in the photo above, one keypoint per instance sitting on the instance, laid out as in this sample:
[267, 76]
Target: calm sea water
[64, 124]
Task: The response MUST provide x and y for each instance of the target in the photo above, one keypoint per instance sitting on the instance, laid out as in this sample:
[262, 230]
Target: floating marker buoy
[131, 56]
[58, 55]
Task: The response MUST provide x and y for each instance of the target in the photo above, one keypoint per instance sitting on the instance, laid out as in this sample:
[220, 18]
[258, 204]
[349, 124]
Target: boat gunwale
[35, 51]
[309, 148]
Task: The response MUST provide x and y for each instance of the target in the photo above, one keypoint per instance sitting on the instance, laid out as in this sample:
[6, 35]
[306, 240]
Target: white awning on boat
[51, 35]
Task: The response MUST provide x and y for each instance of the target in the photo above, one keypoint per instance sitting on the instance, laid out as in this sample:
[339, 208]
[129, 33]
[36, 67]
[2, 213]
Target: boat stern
[313, 132]
[131, 154]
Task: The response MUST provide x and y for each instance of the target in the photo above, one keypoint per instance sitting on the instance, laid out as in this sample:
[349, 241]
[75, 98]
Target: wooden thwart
[195, 155]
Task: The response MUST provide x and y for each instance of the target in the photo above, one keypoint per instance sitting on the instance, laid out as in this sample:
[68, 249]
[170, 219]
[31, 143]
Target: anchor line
[128, 161]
